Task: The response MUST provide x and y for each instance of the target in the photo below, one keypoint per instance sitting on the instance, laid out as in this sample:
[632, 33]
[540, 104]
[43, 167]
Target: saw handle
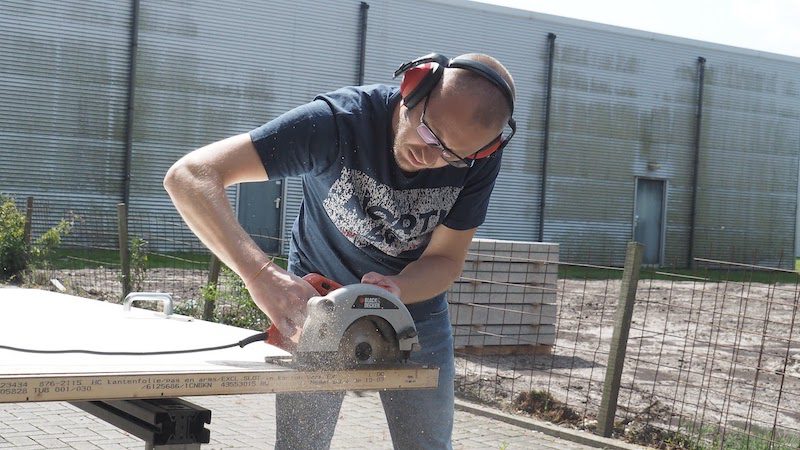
[323, 287]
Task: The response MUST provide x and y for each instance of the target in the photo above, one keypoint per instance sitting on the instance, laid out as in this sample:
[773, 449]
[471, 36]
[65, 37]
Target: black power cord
[242, 343]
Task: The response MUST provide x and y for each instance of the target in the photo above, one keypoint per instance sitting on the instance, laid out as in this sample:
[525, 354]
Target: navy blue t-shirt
[360, 212]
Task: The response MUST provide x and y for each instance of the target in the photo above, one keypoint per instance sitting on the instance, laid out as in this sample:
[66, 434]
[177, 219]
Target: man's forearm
[427, 277]
[199, 196]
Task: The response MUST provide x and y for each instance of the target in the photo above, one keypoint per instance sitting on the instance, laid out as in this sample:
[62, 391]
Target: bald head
[493, 109]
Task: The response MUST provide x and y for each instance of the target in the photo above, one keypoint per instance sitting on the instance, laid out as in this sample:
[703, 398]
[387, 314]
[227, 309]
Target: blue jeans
[418, 419]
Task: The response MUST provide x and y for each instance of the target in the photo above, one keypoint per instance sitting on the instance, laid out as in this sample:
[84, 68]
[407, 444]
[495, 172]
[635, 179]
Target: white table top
[44, 320]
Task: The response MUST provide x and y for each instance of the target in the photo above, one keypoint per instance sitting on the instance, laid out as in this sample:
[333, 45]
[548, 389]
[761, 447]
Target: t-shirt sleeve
[469, 211]
[302, 140]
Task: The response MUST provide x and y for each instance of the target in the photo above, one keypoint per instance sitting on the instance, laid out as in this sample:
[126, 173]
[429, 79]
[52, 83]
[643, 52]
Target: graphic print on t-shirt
[394, 221]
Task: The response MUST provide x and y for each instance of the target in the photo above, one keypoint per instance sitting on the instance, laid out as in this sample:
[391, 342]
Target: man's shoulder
[354, 99]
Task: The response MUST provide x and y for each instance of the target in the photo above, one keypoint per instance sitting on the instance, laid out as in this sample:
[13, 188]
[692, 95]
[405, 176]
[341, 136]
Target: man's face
[450, 118]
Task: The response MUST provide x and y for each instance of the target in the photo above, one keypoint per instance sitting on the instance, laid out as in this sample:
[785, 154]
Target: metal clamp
[157, 296]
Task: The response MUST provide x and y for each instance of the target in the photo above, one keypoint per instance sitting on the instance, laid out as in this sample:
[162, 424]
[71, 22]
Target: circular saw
[351, 326]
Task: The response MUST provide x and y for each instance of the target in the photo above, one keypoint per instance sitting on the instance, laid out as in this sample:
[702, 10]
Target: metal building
[689, 147]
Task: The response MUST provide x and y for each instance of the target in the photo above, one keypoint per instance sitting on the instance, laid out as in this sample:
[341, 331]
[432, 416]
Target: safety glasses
[429, 137]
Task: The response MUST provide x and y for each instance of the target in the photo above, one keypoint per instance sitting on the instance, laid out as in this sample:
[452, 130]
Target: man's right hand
[283, 297]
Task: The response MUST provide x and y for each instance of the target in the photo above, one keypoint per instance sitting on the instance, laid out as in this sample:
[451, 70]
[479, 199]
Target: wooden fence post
[619, 340]
[28, 221]
[124, 255]
[214, 267]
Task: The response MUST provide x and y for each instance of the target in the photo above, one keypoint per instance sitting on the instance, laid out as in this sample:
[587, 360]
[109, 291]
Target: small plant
[541, 404]
[16, 254]
[189, 308]
[233, 304]
[138, 260]
[13, 249]
[655, 437]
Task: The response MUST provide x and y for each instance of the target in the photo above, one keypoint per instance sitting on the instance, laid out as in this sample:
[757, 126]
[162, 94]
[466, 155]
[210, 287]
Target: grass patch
[756, 440]
[715, 275]
[739, 276]
[96, 258]
[67, 258]
[587, 273]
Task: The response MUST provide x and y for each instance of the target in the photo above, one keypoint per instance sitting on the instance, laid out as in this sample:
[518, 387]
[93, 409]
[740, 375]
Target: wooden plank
[109, 386]
[619, 339]
[44, 320]
[507, 314]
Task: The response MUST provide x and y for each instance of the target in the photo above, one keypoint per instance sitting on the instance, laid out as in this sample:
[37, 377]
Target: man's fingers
[381, 281]
[372, 278]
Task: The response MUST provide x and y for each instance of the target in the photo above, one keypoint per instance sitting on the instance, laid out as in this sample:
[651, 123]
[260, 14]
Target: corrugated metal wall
[749, 160]
[63, 87]
[212, 70]
[623, 106]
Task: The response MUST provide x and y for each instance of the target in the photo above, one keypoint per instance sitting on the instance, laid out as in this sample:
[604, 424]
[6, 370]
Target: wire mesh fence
[558, 372]
[712, 359]
[717, 360]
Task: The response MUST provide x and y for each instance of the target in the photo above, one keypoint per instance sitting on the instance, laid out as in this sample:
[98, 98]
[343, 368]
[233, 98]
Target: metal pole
[124, 256]
[619, 340]
[28, 221]
[551, 45]
[701, 69]
[214, 267]
[133, 50]
[362, 43]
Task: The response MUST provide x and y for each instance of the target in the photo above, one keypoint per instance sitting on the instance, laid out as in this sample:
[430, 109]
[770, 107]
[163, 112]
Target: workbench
[141, 393]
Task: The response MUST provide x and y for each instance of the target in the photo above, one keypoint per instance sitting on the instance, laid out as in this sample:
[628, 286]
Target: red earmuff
[413, 77]
[421, 75]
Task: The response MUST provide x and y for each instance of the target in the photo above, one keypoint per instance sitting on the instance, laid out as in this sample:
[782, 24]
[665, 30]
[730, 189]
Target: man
[396, 181]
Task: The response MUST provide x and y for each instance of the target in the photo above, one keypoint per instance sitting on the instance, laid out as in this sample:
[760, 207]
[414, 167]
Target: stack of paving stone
[505, 300]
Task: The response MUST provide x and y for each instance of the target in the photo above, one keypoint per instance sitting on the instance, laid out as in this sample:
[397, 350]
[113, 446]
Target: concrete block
[482, 335]
[507, 314]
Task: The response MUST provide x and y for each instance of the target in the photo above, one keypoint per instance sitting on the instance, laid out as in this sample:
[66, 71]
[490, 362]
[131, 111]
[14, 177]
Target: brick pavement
[247, 422]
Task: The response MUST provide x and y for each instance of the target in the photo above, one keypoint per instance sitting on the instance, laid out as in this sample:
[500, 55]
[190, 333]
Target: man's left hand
[383, 281]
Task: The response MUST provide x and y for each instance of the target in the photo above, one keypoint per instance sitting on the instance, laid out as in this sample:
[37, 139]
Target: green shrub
[13, 249]
[17, 256]
[138, 259]
[233, 304]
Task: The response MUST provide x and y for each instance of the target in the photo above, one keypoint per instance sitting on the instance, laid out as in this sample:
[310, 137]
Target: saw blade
[369, 340]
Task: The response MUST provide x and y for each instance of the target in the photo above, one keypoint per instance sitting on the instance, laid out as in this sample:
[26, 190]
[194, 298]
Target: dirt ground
[700, 355]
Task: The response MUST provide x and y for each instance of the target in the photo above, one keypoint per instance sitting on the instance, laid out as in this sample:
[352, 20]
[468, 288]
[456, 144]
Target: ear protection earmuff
[421, 75]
